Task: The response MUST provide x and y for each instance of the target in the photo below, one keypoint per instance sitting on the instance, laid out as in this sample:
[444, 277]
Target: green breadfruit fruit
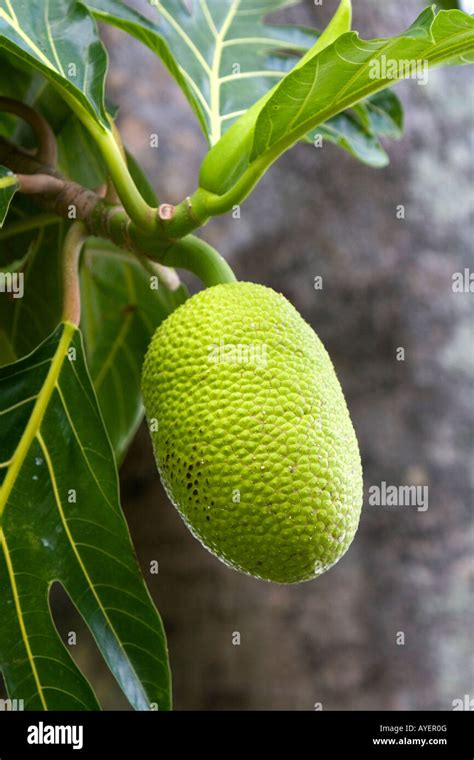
[254, 442]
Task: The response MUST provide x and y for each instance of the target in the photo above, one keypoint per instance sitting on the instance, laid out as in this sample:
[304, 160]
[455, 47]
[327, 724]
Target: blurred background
[336, 642]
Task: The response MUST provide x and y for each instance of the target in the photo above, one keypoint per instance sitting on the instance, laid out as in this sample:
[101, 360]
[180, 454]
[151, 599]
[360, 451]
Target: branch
[55, 194]
[36, 184]
[47, 152]
[109, 144]
[73, 243]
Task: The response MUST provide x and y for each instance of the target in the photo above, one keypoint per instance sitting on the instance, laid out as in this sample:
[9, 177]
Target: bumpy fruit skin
[254, 445]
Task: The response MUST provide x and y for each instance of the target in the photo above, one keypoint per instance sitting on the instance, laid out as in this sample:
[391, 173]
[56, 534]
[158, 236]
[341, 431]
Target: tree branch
[73, 243]
[36, 184]
[54, 193]
[69, 200]
[47, 152]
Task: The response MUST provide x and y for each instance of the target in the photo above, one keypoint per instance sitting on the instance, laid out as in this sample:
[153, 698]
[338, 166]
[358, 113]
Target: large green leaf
[227, 56]
[346, 72]
[121, 308]
[264, 53]
[8, 187]
[59, 39]
[342, 76]
[60, 519]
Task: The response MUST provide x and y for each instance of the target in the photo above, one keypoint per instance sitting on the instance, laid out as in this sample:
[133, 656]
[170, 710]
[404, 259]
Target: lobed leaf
[225, 57]
[60, 519]
[59, 39]
[222, 54]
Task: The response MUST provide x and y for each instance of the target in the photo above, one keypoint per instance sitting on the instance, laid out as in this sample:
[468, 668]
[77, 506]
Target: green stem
[144, 216]
[188, 252]
[202, 205]
[136, 207]
[191, 253]
[201, 259]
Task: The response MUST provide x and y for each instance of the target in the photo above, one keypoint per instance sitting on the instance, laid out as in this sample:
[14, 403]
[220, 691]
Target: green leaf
[358, 131]
[26, 321]
[339, 24]
[8, 187]
[79, 157]
[121, 309]
[352, 69]
[208, 40]
[346, 131]
[385, 114]
[217, 95]
[338, 78]
[447, 4]
[59, 39]
[60, 519]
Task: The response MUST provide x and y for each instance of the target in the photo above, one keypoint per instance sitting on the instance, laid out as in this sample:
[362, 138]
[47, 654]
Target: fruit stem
[74, 240]
[201, 259]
